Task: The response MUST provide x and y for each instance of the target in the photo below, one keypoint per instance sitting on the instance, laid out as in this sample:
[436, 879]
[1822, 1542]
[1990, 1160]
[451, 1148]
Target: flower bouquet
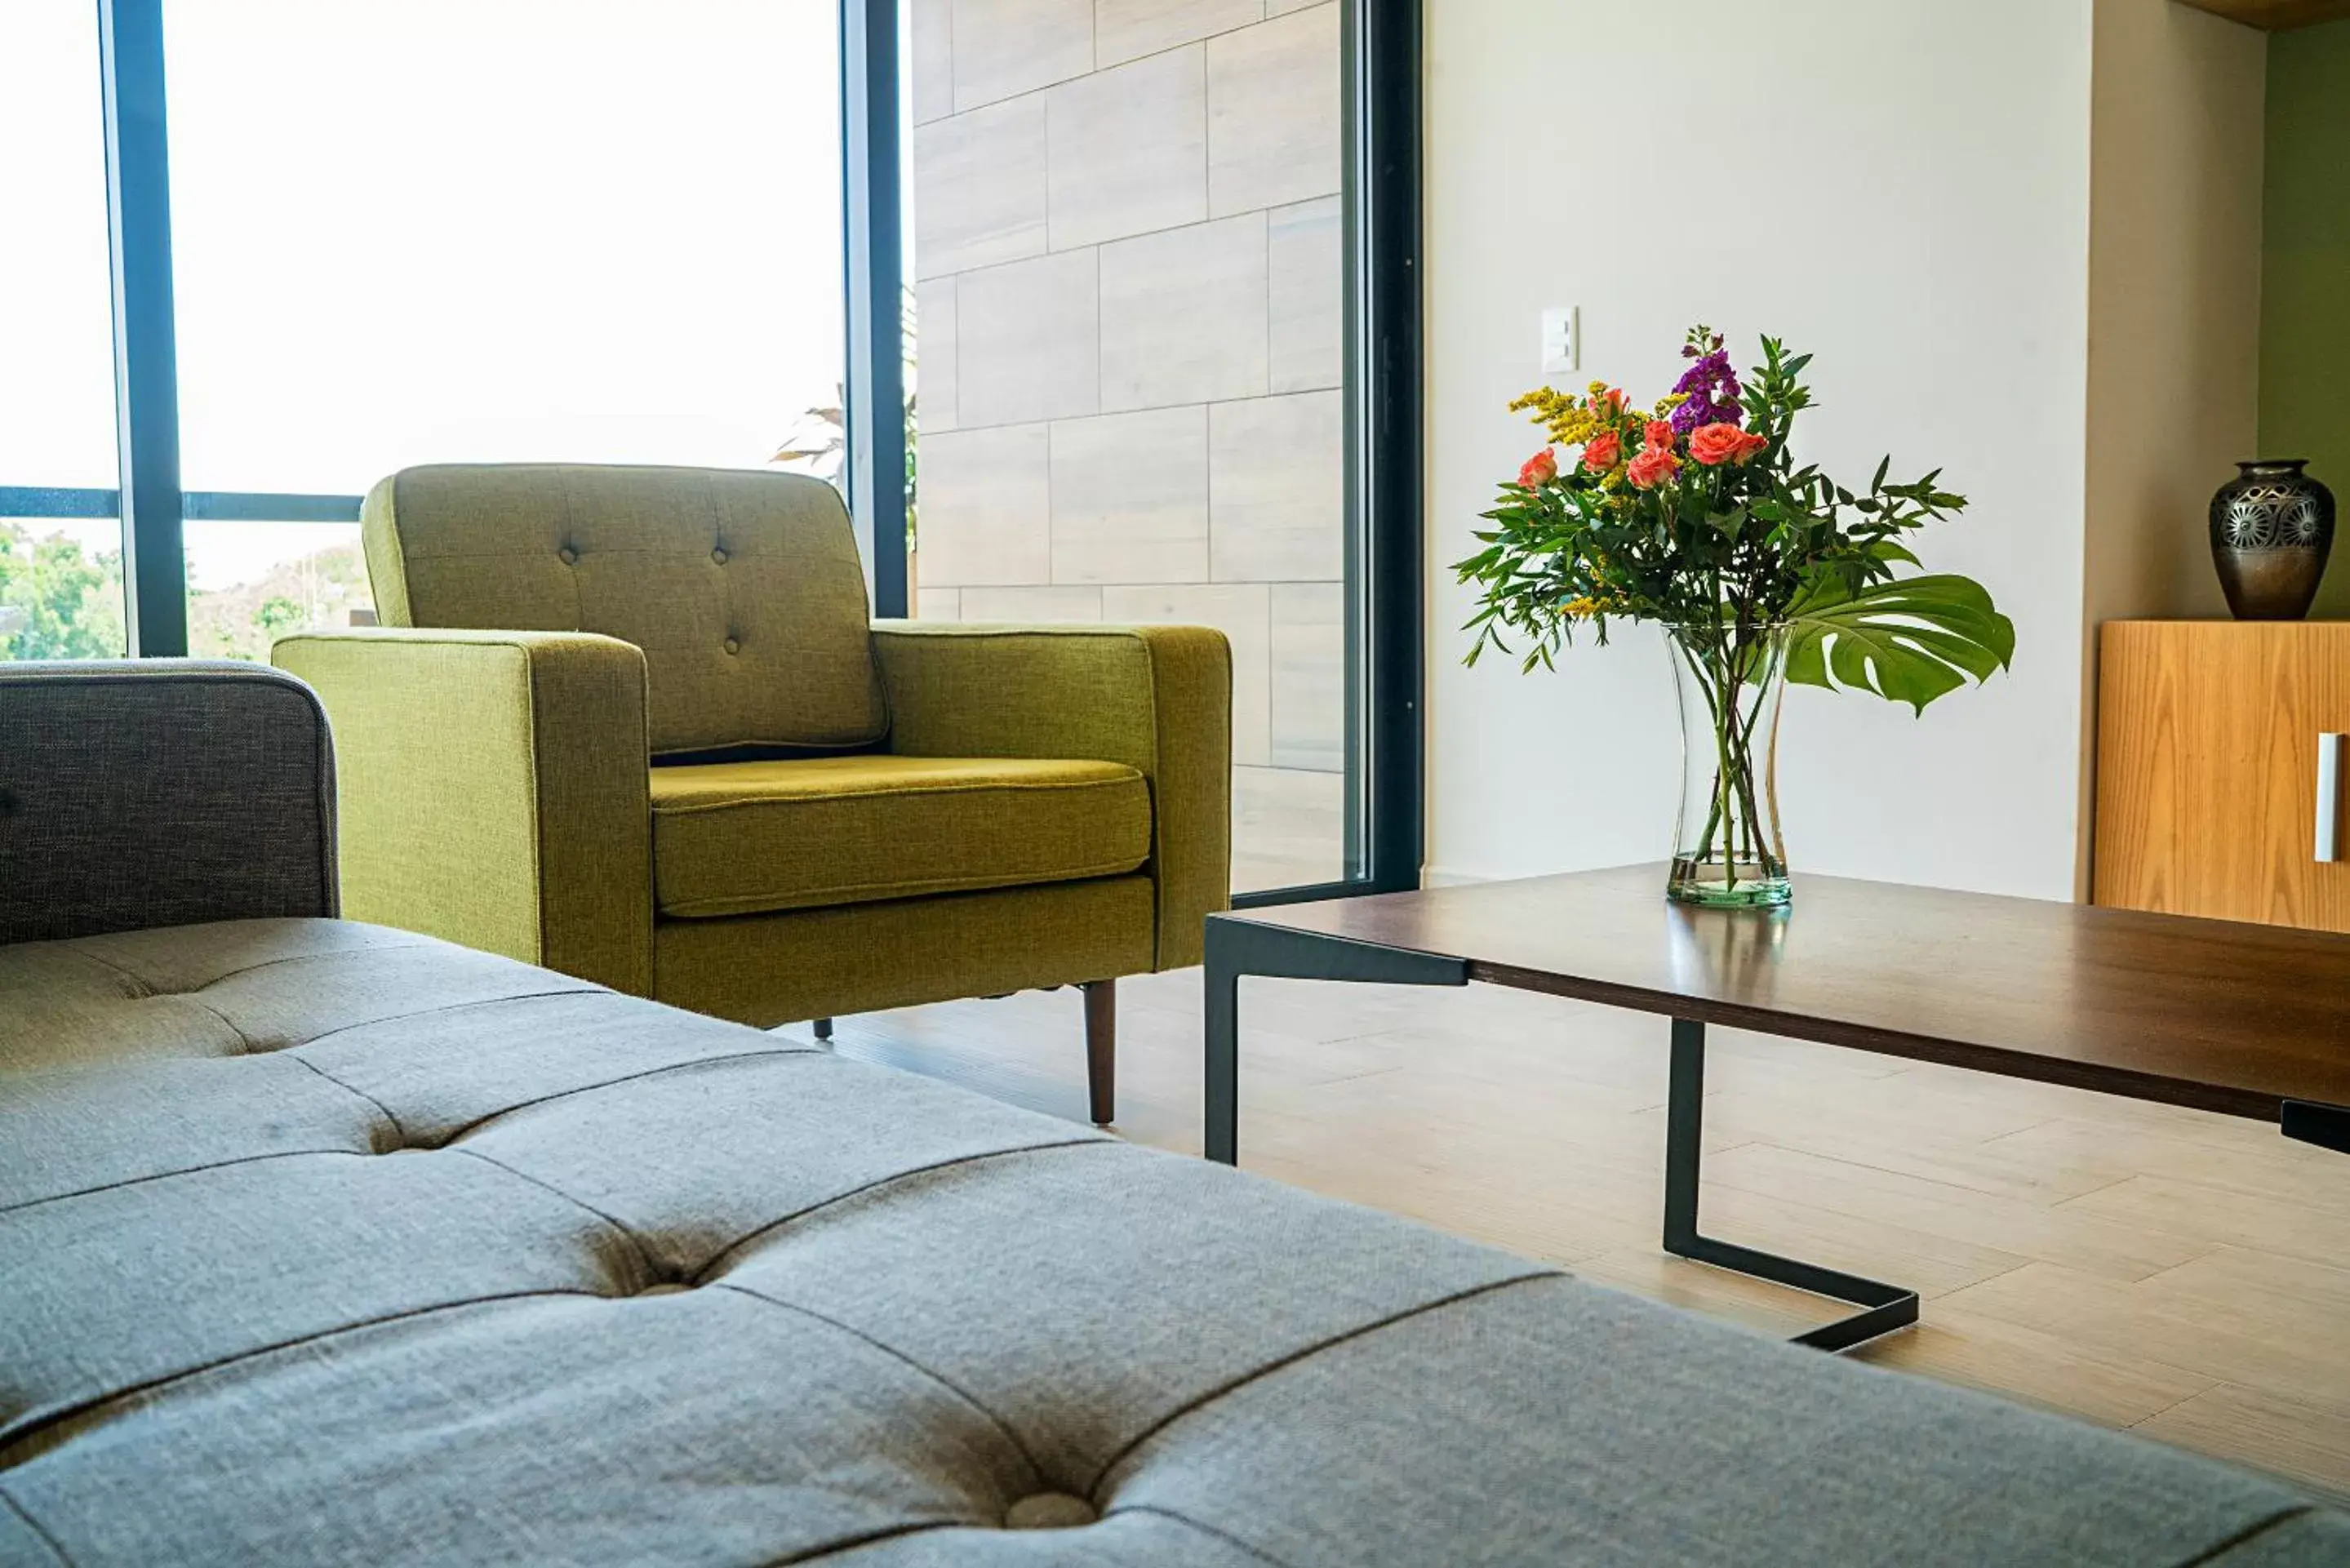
[1694, 514]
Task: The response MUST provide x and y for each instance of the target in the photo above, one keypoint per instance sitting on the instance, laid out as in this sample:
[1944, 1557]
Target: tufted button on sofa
[645, 1287]
[324, 1243]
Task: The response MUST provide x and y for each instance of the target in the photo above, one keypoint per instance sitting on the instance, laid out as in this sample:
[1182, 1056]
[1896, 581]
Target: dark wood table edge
[1238, 945]
[2129, 1083]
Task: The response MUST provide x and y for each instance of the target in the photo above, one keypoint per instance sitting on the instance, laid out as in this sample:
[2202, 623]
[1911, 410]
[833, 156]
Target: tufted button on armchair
[632, 723]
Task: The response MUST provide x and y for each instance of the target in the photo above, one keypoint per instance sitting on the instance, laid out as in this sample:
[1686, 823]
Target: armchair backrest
[744, 588]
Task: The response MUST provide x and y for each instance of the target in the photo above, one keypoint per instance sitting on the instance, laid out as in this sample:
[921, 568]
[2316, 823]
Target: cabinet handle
[2331, 771]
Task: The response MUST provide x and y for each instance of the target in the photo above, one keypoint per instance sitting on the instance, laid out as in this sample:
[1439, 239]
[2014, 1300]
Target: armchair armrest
[1156, 698]
[495, 790]
[141, 793]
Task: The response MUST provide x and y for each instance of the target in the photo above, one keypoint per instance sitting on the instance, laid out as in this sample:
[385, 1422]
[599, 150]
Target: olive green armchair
[633, 724]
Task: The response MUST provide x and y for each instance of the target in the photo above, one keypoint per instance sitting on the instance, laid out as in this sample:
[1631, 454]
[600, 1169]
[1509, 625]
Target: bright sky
[415, 230]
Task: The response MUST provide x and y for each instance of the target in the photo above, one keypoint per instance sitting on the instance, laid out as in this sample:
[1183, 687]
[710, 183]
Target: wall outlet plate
[1562, 341]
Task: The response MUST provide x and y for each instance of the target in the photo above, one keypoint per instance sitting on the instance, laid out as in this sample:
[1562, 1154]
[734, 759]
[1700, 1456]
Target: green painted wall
[2306, 271]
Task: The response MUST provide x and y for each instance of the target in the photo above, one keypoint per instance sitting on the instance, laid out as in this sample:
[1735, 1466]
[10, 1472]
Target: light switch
[1562, 341]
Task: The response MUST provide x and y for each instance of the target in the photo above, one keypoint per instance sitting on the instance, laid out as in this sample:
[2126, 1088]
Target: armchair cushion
[737, 838]
[1156, 698]
[742, 588]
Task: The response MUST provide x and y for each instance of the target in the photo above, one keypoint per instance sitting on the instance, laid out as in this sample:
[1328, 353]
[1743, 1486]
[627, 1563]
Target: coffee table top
[2210, 1014]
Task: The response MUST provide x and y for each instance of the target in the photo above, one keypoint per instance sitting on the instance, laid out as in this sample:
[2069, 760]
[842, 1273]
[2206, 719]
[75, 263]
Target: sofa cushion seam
[778, 1224]
[941, 1378]
[643, 1249]
[245, 1042]
[870, 1538]
[11, 1440]
[7, 1209]
[398, 1132]
[884, 892]
[146, 987]
[39, 1533]
[1259, 1553]
[484, 1119]
[411, 945]
[2245, 1536]
[577, 988]
[1267, 1369]
[901, 792]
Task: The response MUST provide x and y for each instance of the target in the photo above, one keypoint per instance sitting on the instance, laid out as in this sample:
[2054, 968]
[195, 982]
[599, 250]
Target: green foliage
[243, 620]
[1725, 550]
[821, 438]
[1909, 641]
[55, 601]
[277, 616]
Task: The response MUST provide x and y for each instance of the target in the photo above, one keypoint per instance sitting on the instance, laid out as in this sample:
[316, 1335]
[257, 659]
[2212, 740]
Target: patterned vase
[2272, 526]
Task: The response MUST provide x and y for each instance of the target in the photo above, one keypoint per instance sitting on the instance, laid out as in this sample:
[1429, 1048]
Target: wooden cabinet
[2209, 736]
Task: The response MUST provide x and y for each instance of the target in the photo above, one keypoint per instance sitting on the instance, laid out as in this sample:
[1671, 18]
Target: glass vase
[1727, 851]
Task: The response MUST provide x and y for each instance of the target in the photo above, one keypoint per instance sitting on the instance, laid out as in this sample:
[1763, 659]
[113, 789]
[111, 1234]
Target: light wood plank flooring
[2184, 1274]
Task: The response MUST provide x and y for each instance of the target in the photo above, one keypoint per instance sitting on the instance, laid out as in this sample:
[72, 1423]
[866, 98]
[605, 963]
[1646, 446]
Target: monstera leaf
[1908, 641]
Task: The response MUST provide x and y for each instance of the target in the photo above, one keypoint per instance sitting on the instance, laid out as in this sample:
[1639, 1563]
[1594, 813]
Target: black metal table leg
[2314, 1121]
[1239, 947]
[1888, 1307]
[1223, 1128]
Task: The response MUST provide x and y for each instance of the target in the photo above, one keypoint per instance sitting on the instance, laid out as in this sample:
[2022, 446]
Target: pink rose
[1660, 436]
[1539, 470]
[1723, 442]
[1603, 451]
[1652, 467]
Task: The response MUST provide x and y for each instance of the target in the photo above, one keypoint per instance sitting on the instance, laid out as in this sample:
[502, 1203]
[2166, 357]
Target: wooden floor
[2184, 1274]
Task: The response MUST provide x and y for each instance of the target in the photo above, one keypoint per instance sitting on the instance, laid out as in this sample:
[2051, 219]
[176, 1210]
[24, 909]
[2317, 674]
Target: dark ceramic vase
[2272, 526]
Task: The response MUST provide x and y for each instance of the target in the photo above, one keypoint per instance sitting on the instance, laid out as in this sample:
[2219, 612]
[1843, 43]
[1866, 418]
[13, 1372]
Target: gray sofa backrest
[139, 793]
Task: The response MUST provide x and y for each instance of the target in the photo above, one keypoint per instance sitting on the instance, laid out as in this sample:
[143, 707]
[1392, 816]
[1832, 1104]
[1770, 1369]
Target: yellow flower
[1563, 417]
[1583, 608]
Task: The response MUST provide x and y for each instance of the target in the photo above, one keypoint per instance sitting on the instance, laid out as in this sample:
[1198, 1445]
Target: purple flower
[1710, 386]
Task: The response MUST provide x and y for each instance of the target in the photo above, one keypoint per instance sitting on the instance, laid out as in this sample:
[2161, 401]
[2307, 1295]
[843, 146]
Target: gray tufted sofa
[326, 1243]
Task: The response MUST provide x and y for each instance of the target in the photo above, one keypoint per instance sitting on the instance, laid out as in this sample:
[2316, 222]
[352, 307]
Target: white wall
[1900, 186]
[2174, 308]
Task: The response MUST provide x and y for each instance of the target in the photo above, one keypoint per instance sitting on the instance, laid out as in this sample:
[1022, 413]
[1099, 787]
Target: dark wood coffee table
[2251, 1021]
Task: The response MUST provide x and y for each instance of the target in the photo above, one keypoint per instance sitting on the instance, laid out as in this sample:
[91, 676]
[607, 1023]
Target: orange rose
[1660, 436]
[1539, 470]
[1723, 442]
[1652, 467]
[1603, 451]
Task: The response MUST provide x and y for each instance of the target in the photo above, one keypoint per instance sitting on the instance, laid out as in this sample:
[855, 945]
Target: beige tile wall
[1127, 245]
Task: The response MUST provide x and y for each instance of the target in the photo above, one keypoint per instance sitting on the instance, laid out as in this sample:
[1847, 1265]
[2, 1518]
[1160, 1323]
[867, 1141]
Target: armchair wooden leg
[1101, 1049]
[824, 1028]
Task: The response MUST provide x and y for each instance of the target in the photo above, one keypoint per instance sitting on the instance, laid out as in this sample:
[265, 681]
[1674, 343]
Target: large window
[1156, 282]
[462, 231]
[61, 541]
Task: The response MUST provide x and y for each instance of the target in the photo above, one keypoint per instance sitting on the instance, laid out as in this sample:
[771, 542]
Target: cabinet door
[2208, 739]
